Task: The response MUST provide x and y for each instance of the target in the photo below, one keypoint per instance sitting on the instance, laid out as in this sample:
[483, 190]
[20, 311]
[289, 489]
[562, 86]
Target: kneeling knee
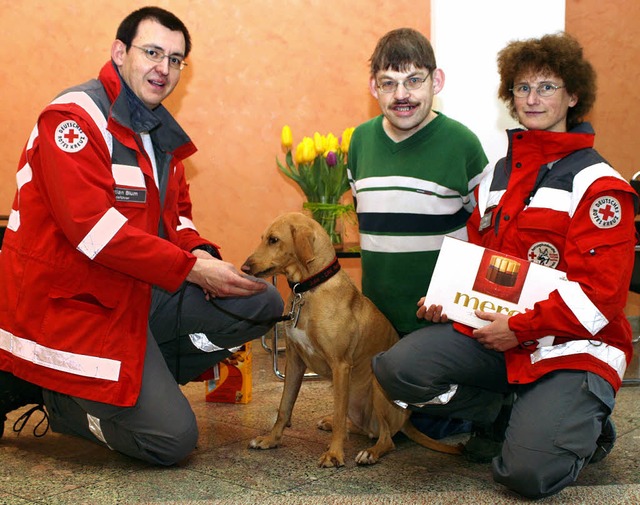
[531, 481]
[171, 445]
[522, 482]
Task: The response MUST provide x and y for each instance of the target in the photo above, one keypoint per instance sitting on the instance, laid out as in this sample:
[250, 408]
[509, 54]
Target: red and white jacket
[554, 200]
[87, 238]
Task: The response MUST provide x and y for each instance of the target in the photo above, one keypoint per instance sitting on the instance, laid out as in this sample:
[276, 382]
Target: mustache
[403, 102]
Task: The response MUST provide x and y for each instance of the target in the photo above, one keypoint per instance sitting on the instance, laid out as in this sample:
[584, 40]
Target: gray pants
[161, 427]
[555, 421]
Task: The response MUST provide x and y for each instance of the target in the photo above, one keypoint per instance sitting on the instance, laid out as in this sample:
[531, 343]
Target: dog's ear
[303, 243]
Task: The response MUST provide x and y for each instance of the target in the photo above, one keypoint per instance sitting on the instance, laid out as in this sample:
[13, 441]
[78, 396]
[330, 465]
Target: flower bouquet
[319, 167]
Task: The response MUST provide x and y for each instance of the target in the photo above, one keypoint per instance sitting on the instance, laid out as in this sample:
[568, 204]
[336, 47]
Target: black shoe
[483, 446]
[605, 442]
[486, 441]
[16, 393]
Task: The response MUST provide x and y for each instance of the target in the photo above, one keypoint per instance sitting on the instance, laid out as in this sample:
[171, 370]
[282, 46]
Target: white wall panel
[466, 36]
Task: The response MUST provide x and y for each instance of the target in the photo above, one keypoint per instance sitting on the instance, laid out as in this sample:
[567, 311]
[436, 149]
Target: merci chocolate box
[468, 277]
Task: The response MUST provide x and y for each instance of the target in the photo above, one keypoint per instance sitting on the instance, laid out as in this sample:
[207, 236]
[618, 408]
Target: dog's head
[293, 245]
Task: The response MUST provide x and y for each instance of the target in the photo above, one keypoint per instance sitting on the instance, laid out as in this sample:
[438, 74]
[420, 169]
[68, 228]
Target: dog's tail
[420, 438]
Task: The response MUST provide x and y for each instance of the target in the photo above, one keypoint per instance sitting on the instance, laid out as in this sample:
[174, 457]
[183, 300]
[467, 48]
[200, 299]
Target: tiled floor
[63, 470]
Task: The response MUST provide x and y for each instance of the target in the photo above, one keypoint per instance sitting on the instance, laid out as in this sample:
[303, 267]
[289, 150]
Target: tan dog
[335, 331]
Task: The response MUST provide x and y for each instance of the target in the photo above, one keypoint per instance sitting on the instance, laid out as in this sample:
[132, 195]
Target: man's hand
[220, 279]
[496, 335]
[432, 313]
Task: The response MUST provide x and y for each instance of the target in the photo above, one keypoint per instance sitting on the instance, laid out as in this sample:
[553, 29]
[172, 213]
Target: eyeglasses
[156, 55]
[410, 84]
[544, 89]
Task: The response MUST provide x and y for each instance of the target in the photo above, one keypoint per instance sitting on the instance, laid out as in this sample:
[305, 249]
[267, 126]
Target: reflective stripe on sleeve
[76, 364]
[102, 232]
[588, 176]
[185, 222]
[14, 220]
[32, 137]
[24, 175]
[606, 353]
[83, 100]
[585, 311]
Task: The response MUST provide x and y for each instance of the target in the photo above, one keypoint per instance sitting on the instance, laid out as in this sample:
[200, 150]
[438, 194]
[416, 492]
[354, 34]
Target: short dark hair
[400, 49]
[129, 26]
[559, 54]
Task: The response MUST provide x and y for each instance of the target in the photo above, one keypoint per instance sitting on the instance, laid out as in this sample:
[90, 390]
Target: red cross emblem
[69, 137]
[605, 212]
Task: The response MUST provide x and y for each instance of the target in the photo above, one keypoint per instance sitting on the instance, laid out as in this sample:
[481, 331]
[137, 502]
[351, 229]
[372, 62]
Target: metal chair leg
[275, 350]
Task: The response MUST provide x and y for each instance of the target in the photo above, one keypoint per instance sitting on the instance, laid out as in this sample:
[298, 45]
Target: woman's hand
[496, 335]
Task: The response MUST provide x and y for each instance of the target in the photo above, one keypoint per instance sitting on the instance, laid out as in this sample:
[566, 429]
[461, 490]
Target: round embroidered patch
[70, 137]
[545, 254]
[605, 212]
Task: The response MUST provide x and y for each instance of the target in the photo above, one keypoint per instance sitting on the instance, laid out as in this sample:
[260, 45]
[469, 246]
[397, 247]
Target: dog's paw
[366, 458]
[325, 424]
[331, 459]
[264, 442]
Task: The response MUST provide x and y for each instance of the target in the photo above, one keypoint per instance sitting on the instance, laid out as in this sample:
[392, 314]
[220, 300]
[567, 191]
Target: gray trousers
[161, 427]
[554, 423]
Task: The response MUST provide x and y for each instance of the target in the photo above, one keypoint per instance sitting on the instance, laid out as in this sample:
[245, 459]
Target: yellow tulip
[319, 143]
[346, 139]
[298, 157]
[332, 143]
[308, 150]
[286, 138]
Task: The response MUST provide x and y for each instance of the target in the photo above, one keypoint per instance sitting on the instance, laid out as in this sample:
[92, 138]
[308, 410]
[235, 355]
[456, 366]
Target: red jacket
[555, 201]
[82, 247]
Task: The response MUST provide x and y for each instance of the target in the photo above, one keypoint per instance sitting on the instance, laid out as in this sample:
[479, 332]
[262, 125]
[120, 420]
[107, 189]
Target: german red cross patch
[605, 212]
[70, 137]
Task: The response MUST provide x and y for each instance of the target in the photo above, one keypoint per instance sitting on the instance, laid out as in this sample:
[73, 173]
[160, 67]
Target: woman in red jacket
[539, 385]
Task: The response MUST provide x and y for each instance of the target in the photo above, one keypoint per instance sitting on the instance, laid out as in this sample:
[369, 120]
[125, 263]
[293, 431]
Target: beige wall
[258, 64]
[609, 34]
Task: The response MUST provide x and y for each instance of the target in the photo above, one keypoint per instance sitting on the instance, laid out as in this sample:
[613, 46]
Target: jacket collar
[128, 111]
[551, 146]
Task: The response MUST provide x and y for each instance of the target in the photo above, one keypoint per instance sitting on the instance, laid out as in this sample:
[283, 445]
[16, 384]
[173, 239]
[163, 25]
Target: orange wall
[608, 31]
[258, 64]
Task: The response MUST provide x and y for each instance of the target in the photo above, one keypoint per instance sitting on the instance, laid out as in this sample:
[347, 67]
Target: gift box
[468, 277]
[231, 379]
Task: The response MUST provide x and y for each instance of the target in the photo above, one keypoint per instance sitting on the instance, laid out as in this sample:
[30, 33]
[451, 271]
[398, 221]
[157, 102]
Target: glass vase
[327, 213]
